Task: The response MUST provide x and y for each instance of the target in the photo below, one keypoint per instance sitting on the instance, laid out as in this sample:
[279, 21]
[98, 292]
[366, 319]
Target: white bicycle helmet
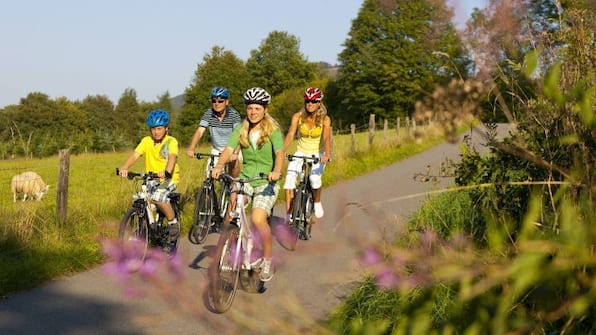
[256, 95]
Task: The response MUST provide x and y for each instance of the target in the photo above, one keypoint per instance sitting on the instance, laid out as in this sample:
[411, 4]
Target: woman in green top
[261, 142]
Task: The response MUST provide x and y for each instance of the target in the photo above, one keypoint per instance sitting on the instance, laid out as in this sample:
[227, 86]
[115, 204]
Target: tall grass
[35, 247]
[370, 310]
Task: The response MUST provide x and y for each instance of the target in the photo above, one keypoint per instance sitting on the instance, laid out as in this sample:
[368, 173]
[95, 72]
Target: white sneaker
[267, 269]
[319, 212]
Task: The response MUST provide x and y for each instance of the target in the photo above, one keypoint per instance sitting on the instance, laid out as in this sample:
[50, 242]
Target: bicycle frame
[232, 262]
[210, 205]
[150, 219]
[301, 213]
[245, 244]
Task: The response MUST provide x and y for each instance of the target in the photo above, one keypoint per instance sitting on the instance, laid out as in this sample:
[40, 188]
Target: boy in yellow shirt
[161, 154]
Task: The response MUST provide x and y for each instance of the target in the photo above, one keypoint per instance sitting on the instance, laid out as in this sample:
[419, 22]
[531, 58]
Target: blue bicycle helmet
[220, 92]
[158, 118]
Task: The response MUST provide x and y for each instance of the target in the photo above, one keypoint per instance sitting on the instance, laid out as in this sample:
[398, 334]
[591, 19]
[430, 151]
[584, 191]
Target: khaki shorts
[263, 196]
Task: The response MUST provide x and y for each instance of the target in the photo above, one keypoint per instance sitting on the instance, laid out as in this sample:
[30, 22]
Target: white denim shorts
[295, 167]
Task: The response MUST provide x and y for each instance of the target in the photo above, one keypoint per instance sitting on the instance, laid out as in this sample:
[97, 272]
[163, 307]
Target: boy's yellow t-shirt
[156, 156]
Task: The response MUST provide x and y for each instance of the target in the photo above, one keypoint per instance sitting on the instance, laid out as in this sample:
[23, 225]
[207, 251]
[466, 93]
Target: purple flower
[386, 279]
[175, 265]
[428, 239]
[371, 256]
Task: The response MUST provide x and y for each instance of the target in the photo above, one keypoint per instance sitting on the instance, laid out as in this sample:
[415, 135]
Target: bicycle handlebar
[200, 155]
[144, 175]
[230, 179]
[312, 158]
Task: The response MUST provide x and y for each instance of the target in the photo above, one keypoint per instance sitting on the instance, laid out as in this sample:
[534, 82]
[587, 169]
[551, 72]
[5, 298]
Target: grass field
[36, 247]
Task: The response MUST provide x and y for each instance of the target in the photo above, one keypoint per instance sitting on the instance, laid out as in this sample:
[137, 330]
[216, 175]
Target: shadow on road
[52, 311]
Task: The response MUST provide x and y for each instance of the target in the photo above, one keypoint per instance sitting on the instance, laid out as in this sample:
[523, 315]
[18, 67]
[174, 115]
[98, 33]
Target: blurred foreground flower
[129, 260]
[417, 264]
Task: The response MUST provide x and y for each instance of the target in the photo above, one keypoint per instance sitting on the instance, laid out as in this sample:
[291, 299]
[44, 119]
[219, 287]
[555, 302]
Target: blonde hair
[320, 113]
[267, 126]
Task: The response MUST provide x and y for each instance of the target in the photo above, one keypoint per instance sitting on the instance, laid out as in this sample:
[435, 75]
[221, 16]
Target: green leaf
[527, 270]
[551, 84]
[530, 62]
[569, 139]
[585, 110]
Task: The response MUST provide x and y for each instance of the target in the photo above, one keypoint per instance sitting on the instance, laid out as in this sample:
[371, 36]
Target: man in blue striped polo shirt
[221, 119]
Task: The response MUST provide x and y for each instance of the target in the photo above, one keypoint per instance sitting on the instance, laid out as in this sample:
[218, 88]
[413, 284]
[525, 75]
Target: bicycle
[144, 222]
[236, 259]
[210, 209]
[302, 204]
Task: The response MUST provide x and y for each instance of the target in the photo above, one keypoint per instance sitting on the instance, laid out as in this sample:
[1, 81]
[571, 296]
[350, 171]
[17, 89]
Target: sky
[74, 48]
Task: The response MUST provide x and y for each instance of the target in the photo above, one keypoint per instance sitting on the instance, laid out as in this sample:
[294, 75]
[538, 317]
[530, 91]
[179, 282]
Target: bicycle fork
[245, 243]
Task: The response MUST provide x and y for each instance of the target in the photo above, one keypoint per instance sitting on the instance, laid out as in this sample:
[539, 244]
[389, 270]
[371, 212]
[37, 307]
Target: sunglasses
[218, 101]
[310, 101]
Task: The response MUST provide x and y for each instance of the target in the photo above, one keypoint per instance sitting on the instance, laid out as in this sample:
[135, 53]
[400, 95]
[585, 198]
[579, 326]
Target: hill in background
[177, 103]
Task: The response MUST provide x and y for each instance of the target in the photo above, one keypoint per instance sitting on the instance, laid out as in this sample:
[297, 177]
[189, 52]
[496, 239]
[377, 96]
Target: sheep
[30, 184]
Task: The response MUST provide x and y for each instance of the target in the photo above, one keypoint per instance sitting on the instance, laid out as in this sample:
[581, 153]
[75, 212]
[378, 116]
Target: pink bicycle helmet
[313, 94]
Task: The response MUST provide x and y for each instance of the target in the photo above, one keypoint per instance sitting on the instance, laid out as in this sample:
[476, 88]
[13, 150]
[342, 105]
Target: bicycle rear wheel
[134, 234]
[203, 213]
[224, 271]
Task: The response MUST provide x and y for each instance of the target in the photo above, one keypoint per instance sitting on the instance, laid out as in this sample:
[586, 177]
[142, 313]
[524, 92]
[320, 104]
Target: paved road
[309, 282]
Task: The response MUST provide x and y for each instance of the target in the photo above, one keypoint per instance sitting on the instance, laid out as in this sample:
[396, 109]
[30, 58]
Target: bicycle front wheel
[134, 234]
[224, 271]
[298, 214]
[203, 213]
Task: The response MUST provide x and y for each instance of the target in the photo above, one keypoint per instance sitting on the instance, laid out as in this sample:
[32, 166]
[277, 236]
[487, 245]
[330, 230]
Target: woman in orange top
[314, 127]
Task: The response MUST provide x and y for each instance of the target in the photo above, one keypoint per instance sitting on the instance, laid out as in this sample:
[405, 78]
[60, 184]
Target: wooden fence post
[397, 127]
[62, 188]
[407, 126]
[385, 126]
[353, 136]
[371, 129]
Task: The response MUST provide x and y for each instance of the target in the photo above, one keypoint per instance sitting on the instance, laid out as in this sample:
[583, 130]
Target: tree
[278, 64]
[102, 118]
[397, 51]
[219, 68]
[70, 129]
[100, 112]
[500, 36]
[130, 121]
